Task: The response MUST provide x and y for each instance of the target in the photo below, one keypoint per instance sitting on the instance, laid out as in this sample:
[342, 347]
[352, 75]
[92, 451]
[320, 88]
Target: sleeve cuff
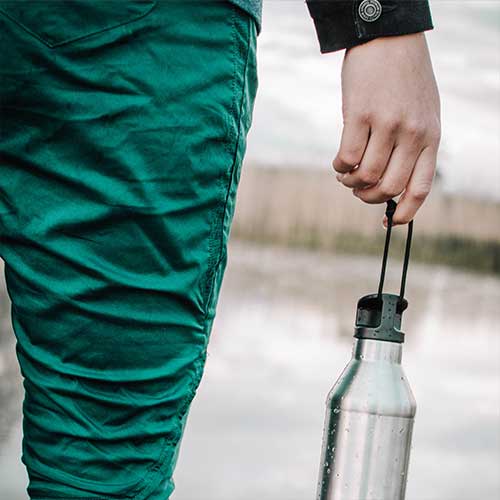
[342, 24]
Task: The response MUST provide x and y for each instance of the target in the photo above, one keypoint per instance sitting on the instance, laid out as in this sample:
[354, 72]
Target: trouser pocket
[60, 22]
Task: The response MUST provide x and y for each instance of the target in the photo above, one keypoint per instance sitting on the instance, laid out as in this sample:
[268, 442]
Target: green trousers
[123, 129]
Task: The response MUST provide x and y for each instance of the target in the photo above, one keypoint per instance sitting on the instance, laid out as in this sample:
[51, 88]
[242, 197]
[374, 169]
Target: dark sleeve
[342, 24]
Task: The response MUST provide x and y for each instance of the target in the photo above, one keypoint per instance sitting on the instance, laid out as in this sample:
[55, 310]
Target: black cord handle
[391, 208]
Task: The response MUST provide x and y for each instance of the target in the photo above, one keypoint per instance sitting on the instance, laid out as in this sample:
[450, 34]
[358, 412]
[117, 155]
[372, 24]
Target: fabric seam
[199, 362]
[218, 214]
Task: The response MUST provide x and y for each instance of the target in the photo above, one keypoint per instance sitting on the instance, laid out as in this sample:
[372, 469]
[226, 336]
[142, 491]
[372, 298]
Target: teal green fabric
[253, 7]
[122, 133]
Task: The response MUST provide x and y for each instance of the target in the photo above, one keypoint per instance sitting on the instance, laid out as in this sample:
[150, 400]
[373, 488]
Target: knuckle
[350, 156]
[402, 219]
[341, 169]
[420, 192]
[389, 190]
[434, 134]
[416, 129]
[369, 177]
[363, 117]
[390, 123]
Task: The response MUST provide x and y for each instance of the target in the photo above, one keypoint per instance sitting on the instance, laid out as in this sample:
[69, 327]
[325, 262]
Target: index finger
[354, 140]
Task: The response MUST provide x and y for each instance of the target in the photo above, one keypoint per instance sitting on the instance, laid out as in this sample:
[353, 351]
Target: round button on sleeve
[370, 10]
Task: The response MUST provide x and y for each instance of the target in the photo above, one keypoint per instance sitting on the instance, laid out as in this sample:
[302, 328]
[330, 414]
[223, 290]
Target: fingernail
[355, 192]
[340, 177]
[384, 222]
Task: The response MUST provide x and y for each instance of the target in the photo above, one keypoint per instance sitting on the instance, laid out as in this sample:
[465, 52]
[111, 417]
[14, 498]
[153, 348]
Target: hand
[391, 110]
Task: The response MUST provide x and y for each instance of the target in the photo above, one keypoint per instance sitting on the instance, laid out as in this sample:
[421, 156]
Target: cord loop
[390, 210]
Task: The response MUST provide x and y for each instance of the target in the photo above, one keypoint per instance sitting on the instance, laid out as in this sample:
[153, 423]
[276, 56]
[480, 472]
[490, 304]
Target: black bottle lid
[379, 317]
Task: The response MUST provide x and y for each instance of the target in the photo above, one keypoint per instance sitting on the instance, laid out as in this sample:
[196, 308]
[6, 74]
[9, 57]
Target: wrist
[389, 41]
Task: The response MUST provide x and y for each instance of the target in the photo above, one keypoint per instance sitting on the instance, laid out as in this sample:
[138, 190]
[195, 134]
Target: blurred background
[303, 250]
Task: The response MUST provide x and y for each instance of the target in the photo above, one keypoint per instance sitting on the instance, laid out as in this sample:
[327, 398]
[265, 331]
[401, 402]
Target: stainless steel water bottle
[371, 409]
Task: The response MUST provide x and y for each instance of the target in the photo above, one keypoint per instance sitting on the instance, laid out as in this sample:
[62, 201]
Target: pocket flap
[58, 22]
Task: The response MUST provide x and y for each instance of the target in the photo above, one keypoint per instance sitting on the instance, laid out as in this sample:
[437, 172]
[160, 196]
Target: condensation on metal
[368, 427]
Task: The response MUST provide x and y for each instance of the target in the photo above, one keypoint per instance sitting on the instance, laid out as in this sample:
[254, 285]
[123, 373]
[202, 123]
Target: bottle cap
[379, 317]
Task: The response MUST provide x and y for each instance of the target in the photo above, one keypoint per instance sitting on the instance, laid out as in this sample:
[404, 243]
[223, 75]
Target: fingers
[373, 163]
[395, 178]
[352, 145]
[418, 188]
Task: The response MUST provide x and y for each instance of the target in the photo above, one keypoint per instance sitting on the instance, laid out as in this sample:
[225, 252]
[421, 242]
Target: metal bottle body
[368, 427]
